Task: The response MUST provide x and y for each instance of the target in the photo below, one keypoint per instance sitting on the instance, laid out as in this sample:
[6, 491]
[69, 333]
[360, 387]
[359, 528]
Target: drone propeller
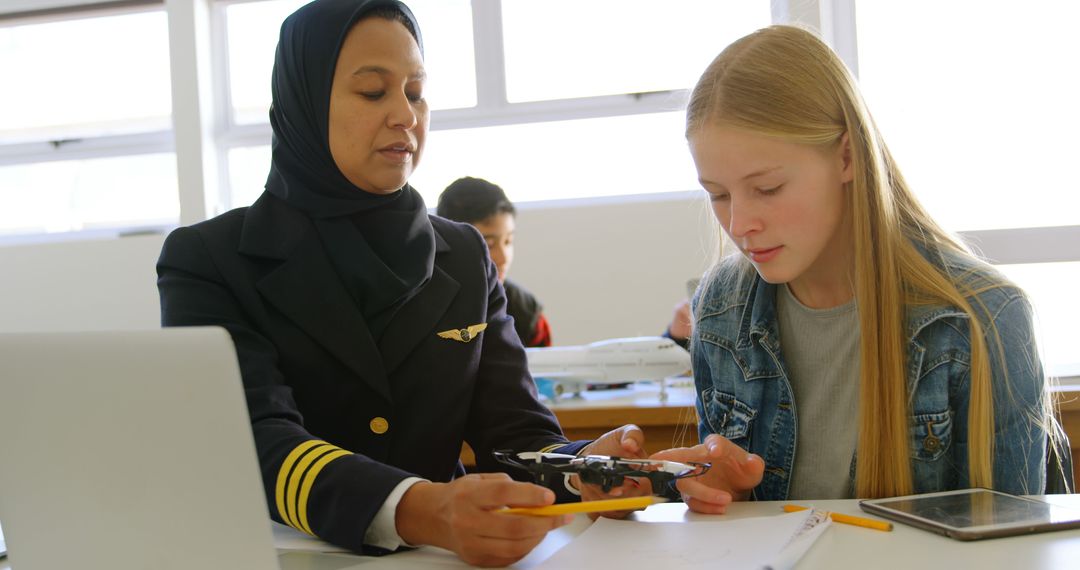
[540, 456]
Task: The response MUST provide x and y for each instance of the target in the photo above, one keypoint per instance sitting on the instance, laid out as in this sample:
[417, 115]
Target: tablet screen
[979, 508]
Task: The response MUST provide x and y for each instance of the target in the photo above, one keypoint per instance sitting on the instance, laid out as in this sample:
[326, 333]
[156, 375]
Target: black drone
[605, 471]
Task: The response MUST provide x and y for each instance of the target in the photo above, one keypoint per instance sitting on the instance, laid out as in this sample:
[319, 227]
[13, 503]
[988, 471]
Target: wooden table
[666, 424]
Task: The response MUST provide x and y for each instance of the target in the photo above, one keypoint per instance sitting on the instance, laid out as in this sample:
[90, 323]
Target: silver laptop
[128, 450]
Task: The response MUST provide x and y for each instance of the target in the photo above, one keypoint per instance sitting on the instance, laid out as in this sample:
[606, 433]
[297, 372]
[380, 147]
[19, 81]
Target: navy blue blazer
[338, 419]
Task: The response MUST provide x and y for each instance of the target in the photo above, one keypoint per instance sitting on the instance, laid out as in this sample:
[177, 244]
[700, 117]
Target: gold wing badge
[464, 335]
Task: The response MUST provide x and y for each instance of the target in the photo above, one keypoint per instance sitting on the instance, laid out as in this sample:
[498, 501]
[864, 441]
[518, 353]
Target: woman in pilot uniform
[372, 339]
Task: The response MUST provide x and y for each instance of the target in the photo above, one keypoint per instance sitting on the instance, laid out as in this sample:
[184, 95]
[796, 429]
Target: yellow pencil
[623, 504]
[846, 519]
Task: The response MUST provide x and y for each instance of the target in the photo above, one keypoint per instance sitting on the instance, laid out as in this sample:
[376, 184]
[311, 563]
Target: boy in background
[485, 206]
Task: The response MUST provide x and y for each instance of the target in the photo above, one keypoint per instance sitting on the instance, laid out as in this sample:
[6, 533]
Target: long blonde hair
[784, 82]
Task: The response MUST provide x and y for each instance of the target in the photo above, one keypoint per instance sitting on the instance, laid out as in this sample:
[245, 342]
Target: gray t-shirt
[820, 349]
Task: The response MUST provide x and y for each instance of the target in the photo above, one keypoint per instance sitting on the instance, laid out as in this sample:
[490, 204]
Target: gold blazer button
[379, 425]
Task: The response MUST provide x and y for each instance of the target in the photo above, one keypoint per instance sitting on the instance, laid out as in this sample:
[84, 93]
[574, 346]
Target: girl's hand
[734, 473]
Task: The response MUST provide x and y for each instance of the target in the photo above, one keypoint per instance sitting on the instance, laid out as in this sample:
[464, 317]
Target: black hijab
[382, 246]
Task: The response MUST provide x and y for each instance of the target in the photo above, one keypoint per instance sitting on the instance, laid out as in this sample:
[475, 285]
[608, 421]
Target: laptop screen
[128, 448]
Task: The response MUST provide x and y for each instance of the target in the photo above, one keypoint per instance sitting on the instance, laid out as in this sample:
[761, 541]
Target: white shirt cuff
[382, 533]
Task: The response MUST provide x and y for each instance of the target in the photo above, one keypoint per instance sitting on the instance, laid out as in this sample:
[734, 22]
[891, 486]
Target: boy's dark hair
[473, 200]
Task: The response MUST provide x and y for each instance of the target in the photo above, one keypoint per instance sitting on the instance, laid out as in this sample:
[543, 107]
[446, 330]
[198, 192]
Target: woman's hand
[734, 473]
[629, 442]
[461, 516]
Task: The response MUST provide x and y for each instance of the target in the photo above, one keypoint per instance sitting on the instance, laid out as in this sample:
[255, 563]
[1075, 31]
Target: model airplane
[570, 369]
[602, 470]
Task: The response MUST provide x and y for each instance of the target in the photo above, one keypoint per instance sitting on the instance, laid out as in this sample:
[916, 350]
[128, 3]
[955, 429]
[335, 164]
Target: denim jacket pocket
[931, 435]
[726, 415]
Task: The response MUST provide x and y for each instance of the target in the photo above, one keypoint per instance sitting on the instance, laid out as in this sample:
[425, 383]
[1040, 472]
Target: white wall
[88, 285]
[609, 268]
[603, 268]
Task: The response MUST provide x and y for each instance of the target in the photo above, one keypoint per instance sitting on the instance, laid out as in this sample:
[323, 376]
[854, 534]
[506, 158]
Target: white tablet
[972, 514]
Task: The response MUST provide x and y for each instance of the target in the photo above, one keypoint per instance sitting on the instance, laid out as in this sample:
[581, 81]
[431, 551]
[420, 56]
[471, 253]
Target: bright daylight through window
[70, 156]
[981, 114]
[977, 101]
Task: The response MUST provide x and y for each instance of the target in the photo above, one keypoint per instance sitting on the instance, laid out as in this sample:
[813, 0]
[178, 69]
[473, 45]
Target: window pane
[567, 48]
[449, 59]
[1052, 289]
[530, 161]
[611, 156]
[248, 168]
[49, 197]
[253, 27]
[82, 78]
[977, 102]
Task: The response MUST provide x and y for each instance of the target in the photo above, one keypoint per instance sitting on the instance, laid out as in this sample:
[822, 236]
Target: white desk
[842, 546]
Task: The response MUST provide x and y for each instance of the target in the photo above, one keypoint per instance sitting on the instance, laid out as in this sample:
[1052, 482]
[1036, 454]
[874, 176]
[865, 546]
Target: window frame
[23, 12]
[492, 106]
[204, 130]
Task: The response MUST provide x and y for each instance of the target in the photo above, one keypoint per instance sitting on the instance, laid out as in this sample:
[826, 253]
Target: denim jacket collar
[759, 328]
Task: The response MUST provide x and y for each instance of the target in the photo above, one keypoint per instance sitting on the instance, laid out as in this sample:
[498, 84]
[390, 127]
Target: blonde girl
[853, 348]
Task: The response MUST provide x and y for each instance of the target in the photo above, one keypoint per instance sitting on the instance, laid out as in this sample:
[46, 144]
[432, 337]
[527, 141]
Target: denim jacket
[743, 392]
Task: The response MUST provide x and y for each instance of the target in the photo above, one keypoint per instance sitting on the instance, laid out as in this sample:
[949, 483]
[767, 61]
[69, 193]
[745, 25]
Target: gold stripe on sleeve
[297, 477]
[550, 447]
[309, 480]
[283, 476]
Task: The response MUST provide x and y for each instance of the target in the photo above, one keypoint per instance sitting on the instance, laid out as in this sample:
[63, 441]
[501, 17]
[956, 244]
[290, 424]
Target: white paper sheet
[756, 543]
[804, 538]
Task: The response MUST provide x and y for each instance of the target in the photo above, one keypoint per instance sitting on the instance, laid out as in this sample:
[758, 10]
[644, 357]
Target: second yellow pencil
[847, 519]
